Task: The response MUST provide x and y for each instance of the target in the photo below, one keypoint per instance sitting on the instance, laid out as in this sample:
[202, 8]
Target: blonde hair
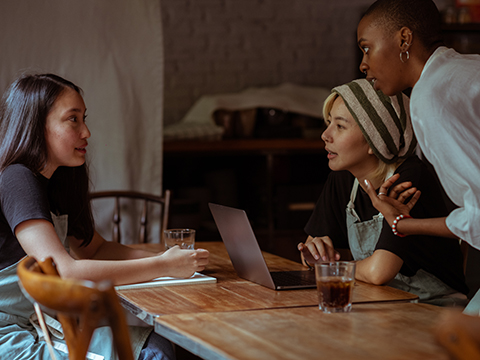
[328, 105]
[383, 169]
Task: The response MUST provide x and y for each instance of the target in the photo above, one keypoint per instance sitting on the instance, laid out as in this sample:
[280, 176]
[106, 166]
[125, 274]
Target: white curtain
[113, 50]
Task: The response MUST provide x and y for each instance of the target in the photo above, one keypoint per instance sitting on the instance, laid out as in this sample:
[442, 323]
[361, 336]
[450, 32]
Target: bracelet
[395, 222]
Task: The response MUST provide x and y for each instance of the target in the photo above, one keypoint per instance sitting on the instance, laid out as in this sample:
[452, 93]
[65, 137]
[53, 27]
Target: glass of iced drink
[335, 281]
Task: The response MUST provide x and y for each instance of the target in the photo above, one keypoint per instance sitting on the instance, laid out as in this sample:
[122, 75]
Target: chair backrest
[459, 334]
[79, 305]
[117, 195]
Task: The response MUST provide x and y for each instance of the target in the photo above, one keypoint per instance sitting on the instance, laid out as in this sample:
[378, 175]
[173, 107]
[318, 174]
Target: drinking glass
[335, 281]
[185, 238]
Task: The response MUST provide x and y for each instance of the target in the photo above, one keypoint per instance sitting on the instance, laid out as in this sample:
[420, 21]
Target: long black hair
[23, 115]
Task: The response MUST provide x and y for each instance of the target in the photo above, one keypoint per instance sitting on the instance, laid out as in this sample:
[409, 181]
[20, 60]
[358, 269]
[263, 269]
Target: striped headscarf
[384, 120]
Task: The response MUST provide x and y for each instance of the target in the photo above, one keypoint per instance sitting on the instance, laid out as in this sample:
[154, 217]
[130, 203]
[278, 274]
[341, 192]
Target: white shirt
[445, 111]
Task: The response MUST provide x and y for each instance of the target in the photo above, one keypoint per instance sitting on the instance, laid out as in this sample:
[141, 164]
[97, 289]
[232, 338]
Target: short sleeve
[22, 196]
[329, 217]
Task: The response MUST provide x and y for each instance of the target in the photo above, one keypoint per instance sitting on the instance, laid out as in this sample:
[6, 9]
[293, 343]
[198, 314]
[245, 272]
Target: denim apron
[362, 239]
[473, 307]
[20, 334]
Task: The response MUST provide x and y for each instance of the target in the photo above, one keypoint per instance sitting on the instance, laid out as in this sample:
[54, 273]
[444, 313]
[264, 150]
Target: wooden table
[371, 331]
[232, 293]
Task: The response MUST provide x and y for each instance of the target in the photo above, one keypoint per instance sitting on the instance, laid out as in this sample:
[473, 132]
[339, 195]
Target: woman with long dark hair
[45, 212]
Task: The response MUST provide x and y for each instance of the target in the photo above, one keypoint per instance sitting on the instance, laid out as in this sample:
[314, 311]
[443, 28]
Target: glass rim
[179, 230]
[334, 263]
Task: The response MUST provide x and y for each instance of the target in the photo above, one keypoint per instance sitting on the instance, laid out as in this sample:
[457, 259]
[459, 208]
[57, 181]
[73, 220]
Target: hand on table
[183, 262]
[318, 248]
[393, 204]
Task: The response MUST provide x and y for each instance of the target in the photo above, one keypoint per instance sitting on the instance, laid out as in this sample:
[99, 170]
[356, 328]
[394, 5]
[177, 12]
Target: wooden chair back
[459, 334]
[80, 306]
[117, 195]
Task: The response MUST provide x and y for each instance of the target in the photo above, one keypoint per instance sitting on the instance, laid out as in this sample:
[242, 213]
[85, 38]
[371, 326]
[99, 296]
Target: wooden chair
[459, 334]
[163, 201]
[79, 305]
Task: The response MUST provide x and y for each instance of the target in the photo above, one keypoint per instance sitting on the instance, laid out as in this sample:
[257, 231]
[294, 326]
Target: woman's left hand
[393, 204]
[185, 262]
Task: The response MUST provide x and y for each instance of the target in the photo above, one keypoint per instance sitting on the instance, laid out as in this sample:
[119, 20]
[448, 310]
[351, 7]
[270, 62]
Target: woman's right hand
[183, 262]
[395, 203]
[318, 248]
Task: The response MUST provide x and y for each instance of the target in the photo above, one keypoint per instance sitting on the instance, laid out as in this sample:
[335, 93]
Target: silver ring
[380, 193]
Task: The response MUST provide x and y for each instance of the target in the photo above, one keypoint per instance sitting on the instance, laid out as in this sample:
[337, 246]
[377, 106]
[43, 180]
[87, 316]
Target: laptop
[247, 258]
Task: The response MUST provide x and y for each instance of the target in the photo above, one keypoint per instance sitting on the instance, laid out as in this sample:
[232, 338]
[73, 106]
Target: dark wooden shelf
[470, 27]
[242, 146]
[465, 38]
[260, 176]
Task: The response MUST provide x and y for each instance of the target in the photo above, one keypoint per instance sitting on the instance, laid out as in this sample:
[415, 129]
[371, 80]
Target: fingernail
[316, 257]
[324, 258]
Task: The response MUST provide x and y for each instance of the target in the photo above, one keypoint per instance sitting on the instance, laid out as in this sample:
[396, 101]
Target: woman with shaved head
[402, 48]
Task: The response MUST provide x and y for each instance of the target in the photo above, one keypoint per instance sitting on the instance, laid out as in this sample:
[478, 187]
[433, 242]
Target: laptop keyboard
[293, 278]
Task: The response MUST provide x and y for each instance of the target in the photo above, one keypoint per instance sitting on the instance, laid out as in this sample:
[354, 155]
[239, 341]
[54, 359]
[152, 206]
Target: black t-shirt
[438, 256]
[23, 196]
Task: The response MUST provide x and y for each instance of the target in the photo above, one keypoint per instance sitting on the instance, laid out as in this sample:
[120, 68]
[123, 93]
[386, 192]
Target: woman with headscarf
[369, 136]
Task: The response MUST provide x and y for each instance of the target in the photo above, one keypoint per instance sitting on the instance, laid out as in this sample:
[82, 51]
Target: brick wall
[215, 46]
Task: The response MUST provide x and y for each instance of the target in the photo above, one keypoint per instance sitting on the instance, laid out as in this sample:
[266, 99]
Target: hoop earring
[401, 56]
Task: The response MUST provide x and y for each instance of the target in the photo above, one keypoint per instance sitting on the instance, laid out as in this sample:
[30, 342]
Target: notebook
[247, 258]
[197, 278]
